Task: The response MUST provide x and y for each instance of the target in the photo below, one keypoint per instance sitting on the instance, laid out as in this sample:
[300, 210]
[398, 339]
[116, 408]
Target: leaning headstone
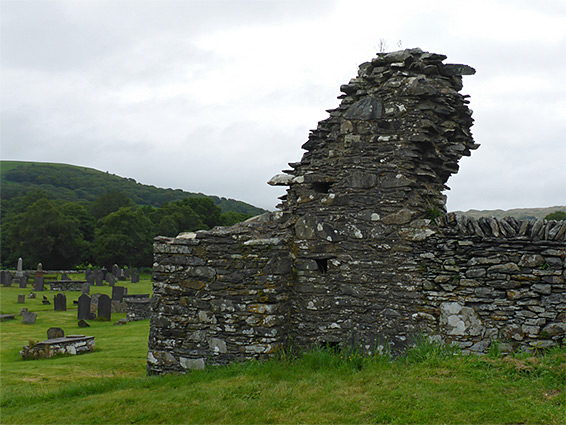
[21, 298]
[39, 283]
[86, 288]
[60, 302]
[111, 279]
[28, 318]
[83, 311]
[135, 276]
[45, 301]
[65, 277]
[54, 332]
[6, 278]
[99, 277]
[104, 307]
[118, 293]
[116, 270]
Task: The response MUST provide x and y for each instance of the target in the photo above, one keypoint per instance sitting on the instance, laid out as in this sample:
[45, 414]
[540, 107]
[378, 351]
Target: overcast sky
[218, 96]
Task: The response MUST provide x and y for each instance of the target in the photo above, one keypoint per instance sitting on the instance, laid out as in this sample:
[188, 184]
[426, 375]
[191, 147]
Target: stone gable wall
[355, 254]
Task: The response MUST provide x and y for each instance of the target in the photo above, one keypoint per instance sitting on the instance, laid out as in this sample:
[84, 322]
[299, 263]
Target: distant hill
[76, 184]
[518, 213]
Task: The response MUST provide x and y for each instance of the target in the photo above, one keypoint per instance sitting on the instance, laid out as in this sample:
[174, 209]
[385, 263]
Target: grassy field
[431, 384]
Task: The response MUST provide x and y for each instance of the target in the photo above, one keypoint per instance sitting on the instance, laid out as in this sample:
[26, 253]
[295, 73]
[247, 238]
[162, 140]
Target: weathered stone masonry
[361, 251]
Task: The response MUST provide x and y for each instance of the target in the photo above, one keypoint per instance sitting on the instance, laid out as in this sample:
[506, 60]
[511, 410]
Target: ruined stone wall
[219, 296]
[495, 280]
[357, 253]
[372, 171]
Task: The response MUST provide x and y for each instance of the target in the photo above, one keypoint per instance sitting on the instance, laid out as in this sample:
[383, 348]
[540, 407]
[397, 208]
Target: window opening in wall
[321, 187]
[322, 264]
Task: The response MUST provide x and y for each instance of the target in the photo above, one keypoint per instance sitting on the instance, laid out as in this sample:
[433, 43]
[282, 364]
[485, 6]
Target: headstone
[127, 273]
[122, 275]
[94, 303]
[135, 276]
[83, 324]
[53, 333]
[19, 271]
[21, 298]
[39, 270]
[38, 283]
[104, 307]
[23, 281]
[99, 277]
[116, 270]
[45, 301]
[111, 279]
[118, 293]
[6, 278]
[90, 277]
[65, 277]
[86, 288]
[60, 302]
[32, 295]
[28, 318]
[24, 309]
[83, 311]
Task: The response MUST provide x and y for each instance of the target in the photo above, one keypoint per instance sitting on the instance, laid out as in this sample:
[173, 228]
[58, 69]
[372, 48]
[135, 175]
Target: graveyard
[120, 350]
[110, 384]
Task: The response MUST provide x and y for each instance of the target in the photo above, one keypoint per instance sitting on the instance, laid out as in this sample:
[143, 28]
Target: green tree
[230, 218]
[42, 233]
[124, 237]
[205, 208]
[557, 215]
[108, 203]
[86, 221]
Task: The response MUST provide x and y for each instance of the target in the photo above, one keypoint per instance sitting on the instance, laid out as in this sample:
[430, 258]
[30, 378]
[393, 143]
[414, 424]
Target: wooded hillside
[76, 184]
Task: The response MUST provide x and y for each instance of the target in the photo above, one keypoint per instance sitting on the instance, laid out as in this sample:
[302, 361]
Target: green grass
[431, 384]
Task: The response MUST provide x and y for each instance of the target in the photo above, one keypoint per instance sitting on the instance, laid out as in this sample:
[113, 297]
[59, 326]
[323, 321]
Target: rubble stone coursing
[361, 250]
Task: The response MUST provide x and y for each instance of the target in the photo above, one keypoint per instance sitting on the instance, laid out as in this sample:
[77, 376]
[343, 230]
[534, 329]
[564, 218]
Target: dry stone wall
[362, 251]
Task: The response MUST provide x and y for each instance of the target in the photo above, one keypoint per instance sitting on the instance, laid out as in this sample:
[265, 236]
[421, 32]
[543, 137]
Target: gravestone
[21, 298]
[99, 277]
[23, 280]
[135, 276]
[19, 271]
[83, 311]
[54, 332]
[24, 309]
[118, 293]
[28, 318]
[111, 279]
[65, 277]
[86, 288]
[60, 302]
[45, 301]
[127, 273]
[38, 283]
[122, 275]
[83, 324]
[90, 276]
[32, 296]
[104, 307]
[6, 278]
[116, 270]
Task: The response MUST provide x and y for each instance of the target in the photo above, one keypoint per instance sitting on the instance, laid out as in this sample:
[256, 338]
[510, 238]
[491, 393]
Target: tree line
[112, 229]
